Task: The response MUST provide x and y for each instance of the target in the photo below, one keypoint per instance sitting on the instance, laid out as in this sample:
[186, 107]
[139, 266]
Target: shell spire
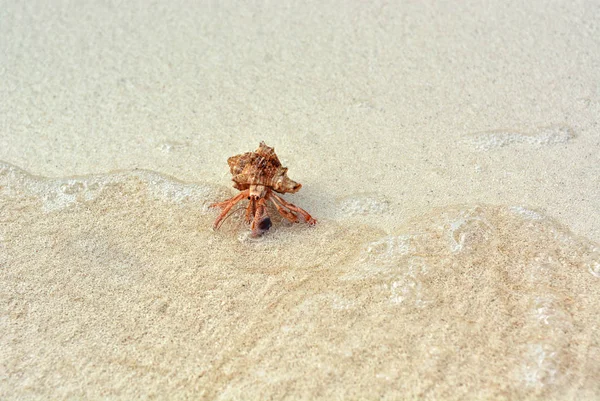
[261, 167]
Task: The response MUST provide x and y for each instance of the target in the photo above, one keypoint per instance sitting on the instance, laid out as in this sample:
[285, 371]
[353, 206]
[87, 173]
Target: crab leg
[307, 217]
[250, 210]
[291, 216]
[227, 205]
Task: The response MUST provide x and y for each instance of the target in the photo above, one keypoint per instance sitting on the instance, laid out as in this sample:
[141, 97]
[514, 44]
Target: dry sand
[451, 153]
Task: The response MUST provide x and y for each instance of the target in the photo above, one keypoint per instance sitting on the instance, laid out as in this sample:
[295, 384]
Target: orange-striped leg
[250, 210]
[282, 211]
[226, 206]
[262, 221]
[307, 217]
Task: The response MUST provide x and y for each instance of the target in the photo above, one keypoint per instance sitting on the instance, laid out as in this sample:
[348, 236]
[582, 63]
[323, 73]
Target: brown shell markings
[261, 167]
[258, 175]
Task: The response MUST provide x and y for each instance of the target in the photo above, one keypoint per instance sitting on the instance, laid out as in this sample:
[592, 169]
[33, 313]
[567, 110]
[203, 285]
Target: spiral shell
[261, 167]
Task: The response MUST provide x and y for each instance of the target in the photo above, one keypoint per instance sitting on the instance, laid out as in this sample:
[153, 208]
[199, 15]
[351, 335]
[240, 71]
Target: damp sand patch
[119, 288]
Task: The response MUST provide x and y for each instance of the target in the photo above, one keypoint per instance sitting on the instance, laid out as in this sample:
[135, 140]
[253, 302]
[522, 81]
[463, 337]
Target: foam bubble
[594, 268]
[539, 366]
[61, 193]
[541, 136]
[526, 213]
[362, 205]
[469, 226]
[593, 261]
[172, 146]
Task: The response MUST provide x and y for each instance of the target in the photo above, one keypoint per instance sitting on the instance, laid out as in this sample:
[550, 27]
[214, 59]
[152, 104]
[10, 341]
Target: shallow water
[121, 285]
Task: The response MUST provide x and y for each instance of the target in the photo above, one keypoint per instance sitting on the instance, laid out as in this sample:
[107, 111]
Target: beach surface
[450, 153]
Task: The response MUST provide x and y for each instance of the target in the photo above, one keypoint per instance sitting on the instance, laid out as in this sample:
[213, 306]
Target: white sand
[451, 154]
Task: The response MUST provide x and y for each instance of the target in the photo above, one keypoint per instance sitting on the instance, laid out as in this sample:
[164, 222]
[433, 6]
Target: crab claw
[263, 226]
[262, 221]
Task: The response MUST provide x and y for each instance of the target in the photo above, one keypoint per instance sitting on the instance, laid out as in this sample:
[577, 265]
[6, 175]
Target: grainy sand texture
[449, 150]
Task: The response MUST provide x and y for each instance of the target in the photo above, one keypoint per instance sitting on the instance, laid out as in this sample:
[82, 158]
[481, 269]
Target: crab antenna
[234, 211]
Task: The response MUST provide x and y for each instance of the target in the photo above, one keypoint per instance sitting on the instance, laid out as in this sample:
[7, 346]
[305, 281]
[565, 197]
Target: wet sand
[450, 154]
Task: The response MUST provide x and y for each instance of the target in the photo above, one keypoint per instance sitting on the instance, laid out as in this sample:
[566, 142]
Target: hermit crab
[259, 175]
